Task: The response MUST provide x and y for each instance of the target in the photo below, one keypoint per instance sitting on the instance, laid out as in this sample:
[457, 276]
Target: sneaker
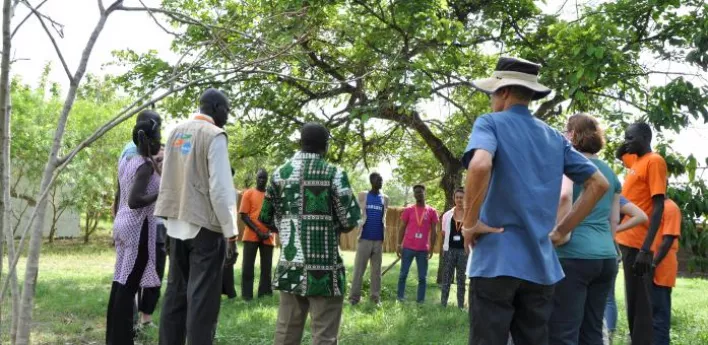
[353, 302]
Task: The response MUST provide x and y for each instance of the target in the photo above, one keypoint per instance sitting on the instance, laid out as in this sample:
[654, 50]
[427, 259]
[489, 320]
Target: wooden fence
[349, 241]
[393, 226]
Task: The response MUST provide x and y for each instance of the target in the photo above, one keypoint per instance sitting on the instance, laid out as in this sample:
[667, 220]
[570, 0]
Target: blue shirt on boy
[530, 159]
[373, 229]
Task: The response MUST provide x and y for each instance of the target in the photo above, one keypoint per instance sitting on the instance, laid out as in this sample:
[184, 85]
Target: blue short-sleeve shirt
[530, 159]
[129, 150]
[623, 201]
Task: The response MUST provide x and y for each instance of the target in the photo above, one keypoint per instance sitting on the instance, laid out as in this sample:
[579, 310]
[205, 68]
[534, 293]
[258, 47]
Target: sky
[137, 31]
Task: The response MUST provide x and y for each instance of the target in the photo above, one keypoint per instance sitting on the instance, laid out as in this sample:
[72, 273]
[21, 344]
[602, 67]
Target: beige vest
[184, 188]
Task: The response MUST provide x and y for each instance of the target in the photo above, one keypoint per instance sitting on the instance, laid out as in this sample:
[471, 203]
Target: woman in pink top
[417, 240]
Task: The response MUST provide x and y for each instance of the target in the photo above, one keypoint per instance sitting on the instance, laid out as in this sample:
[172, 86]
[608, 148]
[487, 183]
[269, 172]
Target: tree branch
[546, 108]
[30, 201]
[618, 98]
[26, 17]
[441, 152]
[51, 37]
[150, 12]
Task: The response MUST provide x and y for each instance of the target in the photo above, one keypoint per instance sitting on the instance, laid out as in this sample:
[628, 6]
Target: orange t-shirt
[665, 273]
[646, 177]
[251, 203]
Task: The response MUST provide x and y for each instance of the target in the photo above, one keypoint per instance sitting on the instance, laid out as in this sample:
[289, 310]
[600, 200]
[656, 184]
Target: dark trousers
[193, 295]
[661, 304]
[579, 301]
[249, 260]
[501, 305]
[455, 263]
[638, 299]
[148, 297]
[119, 319]
[228, 285]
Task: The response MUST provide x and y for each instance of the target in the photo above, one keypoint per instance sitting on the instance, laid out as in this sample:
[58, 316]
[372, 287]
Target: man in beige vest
[198, 198]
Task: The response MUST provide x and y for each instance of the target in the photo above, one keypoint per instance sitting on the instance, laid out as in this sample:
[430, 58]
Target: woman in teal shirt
[589, 258]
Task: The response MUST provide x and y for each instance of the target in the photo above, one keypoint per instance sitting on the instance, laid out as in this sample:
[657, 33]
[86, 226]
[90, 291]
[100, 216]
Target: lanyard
[419, 220]
[458, 225]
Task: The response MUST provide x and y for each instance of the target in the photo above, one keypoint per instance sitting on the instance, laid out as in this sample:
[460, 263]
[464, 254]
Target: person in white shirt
[197, 197]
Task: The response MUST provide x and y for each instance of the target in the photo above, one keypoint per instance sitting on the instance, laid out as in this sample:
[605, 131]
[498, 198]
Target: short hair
[150, 129]
[261, 170]
[644, 129]
[374, 174]
[460, 190]
[147, 115]
[587, 136]
[520, 92]
[419, 186]
[212, 99]
[313, 137]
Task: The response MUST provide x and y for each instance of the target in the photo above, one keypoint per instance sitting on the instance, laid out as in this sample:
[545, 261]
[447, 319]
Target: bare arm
[656, 215]
[138, 198]
[479, 173]
[593, 189]
[249, 223]
[566, 199]
[615, 214]
[401, 233]
[433, 239]
[637, 217]
[666, 244]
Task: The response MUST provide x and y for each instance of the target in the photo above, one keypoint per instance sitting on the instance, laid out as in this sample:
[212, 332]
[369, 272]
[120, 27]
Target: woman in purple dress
[134, 232]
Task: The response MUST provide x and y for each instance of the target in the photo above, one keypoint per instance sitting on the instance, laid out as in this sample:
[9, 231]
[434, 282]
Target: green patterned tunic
[310, 201]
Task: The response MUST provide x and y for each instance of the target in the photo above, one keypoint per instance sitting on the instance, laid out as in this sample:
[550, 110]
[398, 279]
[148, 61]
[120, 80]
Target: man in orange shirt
[256, 237]
[665, 269]
[644, 186]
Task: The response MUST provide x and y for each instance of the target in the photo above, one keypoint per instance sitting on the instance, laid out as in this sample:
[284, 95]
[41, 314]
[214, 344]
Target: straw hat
[513, 71]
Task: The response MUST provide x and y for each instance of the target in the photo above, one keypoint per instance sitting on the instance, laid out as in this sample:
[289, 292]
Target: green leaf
[691, 165]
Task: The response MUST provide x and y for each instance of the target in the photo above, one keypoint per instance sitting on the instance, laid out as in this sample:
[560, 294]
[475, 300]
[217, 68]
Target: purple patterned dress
[128, 225]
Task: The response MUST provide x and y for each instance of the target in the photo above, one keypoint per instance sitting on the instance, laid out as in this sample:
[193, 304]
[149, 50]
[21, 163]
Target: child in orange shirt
[665, 267]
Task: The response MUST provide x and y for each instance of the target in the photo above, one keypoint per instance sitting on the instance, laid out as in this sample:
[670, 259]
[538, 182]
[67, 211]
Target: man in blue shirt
[515, 166]
[370, 246]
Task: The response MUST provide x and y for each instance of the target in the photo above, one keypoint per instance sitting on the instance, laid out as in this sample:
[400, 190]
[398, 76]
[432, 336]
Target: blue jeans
[661, 305]
[421, 261]
[579, 301]
[611, 308]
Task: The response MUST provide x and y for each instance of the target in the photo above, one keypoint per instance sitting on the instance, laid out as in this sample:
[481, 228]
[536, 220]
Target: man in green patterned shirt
[310, 203]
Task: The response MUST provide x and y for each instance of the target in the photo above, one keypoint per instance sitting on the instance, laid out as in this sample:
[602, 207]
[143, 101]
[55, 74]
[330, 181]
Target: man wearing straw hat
[515, 164]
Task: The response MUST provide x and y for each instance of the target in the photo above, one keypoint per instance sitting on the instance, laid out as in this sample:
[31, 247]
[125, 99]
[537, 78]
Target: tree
[180, 78]
[367, 68]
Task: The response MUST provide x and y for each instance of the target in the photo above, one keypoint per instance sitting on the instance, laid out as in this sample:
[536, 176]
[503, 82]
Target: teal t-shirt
[592, 238]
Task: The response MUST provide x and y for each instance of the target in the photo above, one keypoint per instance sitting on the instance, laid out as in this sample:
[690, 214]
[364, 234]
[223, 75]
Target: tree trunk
[91, 223]
[5, 207]
[32, 268]
[86, 227]
[53, 228]
[14, 286]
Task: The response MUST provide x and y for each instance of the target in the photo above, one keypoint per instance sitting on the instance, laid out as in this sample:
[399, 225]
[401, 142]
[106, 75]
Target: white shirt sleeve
[221, 186]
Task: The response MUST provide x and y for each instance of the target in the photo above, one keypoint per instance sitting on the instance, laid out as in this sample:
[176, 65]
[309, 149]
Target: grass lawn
[75, 279]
